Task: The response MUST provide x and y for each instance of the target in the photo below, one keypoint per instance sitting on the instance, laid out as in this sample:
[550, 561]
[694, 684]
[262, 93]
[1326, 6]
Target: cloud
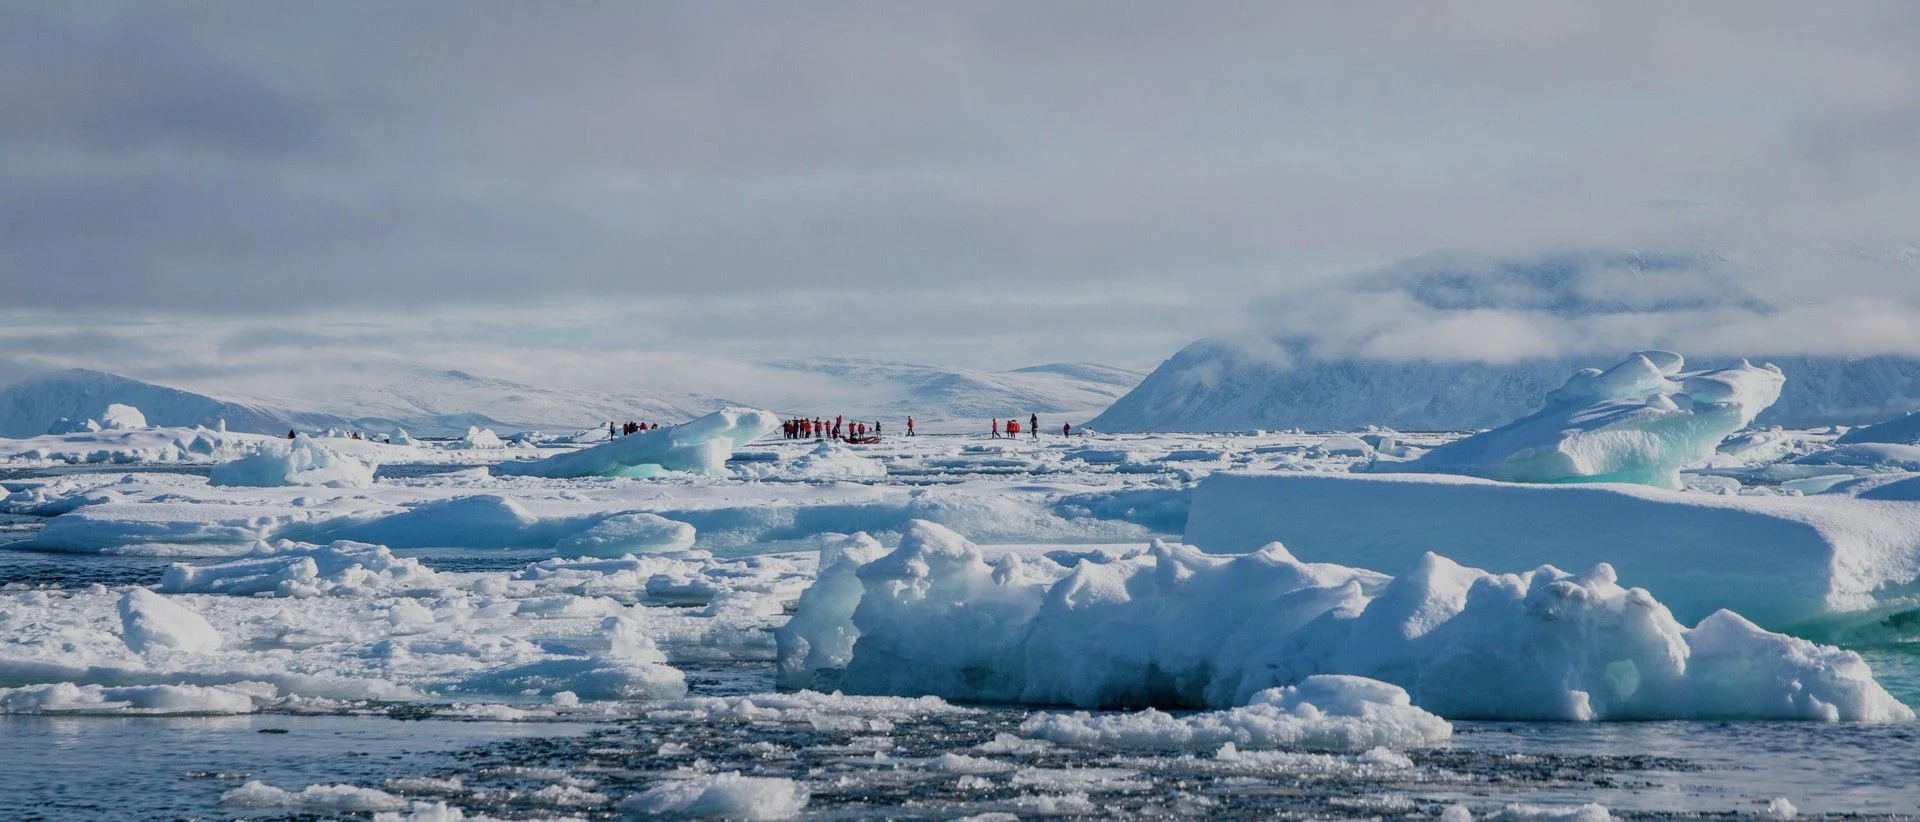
[980, 183]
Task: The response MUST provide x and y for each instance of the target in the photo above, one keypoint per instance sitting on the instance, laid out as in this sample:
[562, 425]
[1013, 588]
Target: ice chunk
[1640, 421]
[147, 700]
[701, 446]
[631, 668]
[312, 799]
[819, 638]
[1324, 712]
[1175, 627]
[722, 796]
[478, 437]
[293, 570]
[300, 462]
[149, 621]
[120, 417]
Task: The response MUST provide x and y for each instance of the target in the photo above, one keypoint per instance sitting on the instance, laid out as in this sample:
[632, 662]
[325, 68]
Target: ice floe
[1171, 626]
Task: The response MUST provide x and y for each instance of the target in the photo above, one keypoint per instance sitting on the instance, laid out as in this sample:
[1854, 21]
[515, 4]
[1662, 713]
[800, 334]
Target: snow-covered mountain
[1216, 385]
[1427, 344]
[880, 388]
[444, 402]
[29, 407]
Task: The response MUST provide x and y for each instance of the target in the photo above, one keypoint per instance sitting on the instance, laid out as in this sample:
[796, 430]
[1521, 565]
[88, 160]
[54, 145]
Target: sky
[584, 194]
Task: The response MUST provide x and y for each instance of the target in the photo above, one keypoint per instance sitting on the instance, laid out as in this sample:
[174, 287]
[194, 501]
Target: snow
[1323, 712]
[1783, 561]
[150, 621]
[726, 795]
[302, 461]
[1878, 456]
[1174, 627]
[701, 446]
[1639, 421]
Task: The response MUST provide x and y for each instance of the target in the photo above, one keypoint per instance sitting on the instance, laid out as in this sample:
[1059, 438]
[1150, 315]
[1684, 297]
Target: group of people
[630, 428]
[1012, 428]
[839, 428]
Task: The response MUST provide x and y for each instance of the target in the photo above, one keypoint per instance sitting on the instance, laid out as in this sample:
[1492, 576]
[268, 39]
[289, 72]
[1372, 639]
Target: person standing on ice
[1066, 429]
[876, 428]
[996, 428]
[1033, 426]
[909, 426]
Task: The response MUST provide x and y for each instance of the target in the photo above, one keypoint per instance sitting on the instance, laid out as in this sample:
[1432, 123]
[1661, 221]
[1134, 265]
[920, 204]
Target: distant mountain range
[444, 403]
[1215, 385]
[1317, 367]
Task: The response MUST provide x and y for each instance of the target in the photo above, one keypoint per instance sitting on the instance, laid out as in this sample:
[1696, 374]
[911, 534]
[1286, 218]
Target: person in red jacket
[909, 426]
[996, 428]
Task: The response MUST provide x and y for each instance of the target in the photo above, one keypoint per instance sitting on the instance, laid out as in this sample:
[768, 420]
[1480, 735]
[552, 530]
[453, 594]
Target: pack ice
[1172, 626]
[701, 446]
[1640, 421]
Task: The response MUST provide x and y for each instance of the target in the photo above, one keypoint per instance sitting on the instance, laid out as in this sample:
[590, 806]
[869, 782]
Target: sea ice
[142, 700]
[1781, 561]
[1640, 421]
[302, 461]
[292, 570]
[149, 621]
[312, 799]
[722, 796]
[700, 446]
[1323, 712]
[1175, 627]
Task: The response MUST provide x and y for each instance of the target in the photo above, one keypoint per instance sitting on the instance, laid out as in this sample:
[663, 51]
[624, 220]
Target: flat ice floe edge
[1831, 565]
[1172, 626]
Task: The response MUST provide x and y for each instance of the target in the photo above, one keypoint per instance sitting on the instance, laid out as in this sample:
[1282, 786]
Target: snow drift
[1171, 626]
[700, 446]
[1640, 421]
[1901, 430]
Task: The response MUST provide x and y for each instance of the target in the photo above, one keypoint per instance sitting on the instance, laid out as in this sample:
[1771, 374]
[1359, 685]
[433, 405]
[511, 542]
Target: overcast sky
[569, 192]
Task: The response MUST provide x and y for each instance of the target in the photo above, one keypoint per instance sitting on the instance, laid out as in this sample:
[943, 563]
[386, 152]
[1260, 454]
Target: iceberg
[302, 461]
[1640, 421]
[699, 447]
[120, 417]
[1170, 626]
